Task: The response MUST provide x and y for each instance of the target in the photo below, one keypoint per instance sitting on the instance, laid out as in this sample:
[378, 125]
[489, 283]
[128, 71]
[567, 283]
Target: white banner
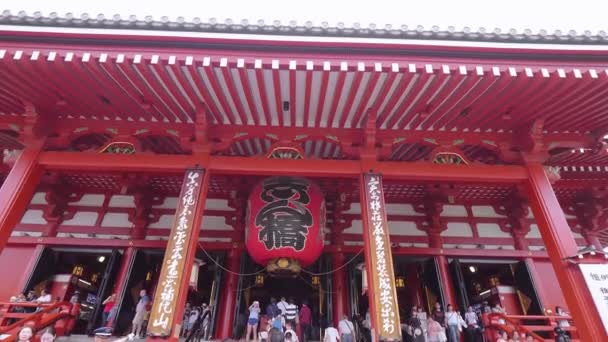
[596, 277]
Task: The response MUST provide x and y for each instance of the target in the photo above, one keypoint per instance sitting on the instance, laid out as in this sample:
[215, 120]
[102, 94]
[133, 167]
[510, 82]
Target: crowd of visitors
[450, 326]
[43, 298]
[196, 323]
[27, 334]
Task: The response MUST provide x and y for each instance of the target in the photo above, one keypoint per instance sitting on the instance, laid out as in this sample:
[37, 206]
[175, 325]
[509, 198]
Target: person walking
[435, 332]
[140, 313]
[438, 315]
[473, 332]
[331, 335]
[252, 322]
[305, 321]
[290, 333]
[346, 329]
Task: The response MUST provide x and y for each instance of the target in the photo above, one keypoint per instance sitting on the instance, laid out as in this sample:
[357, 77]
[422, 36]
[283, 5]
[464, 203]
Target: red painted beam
[108, 243]
[261, 166]
[455, 253]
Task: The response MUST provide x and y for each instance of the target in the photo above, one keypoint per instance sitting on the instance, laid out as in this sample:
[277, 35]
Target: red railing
[45, 315]
[528, 324]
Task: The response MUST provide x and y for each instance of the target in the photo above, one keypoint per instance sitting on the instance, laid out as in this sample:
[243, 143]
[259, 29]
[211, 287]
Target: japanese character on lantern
[285, 219]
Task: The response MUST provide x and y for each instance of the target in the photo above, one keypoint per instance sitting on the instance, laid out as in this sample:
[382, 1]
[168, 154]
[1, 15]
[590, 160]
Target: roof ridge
[307, 28]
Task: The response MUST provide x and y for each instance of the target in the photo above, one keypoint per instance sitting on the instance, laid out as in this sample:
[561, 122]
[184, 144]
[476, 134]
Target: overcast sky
[565, 15]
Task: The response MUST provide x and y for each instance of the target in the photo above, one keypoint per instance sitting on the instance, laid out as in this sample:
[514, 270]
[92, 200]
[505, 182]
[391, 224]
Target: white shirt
[282, 305]
[44, 299]
[331, 335]
[452, 318]
[346, 327]
[470, 318]
[294, 336]
[193, 316]
[563, 323]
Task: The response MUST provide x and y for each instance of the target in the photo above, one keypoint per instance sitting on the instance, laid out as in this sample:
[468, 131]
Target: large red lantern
[285, 223]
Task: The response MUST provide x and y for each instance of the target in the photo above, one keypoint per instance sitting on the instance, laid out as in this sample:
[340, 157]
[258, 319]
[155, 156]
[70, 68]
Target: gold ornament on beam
[451, 158]
[285, 150]
[118, 147]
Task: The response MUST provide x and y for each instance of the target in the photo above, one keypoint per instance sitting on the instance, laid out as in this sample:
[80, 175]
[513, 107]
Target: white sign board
[596, 277]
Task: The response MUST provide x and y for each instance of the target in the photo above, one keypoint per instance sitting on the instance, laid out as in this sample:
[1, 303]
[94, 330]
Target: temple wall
[108, 216]
[468, 227]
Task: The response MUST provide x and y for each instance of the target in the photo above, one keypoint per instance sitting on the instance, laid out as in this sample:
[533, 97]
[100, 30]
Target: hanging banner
[165, 299]
[383, 292]
[596, 277]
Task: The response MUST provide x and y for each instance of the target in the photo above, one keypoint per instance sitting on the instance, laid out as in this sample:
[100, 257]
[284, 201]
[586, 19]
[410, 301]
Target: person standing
[421, 314]
[107, 308]
[44, 298]
[346, 330]
[272, 310]
[195, 313]
[282, 305]
[206, 321]
[499, 310]
[185, 323]
[140, 313]
[452, 321]
[563, 323]
[473, 328]
[305, 320]
[252, 322]
[415, 327]
[290, 333]
[291, 313]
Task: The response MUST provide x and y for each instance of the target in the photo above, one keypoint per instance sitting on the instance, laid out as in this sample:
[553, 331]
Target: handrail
[63, 310]
[518, 327]
[552, 320]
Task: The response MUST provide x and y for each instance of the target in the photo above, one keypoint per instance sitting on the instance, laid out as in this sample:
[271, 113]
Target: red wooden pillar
[17, 190]
[435, 241]
[446, 282]
[338, 287]
[122, 278]
[561, 245]
[227, 304]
